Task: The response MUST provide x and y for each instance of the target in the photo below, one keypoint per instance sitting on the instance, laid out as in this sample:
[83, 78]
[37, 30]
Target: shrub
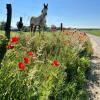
[87, 49]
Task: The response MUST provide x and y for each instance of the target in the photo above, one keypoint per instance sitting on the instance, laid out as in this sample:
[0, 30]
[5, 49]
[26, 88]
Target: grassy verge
[46, 67]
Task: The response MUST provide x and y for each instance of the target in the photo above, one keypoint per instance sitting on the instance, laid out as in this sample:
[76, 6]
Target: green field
[92, 31]
[89, 31]
[49, 34]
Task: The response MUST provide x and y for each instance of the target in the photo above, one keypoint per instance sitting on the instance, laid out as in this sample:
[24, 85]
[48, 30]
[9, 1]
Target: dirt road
[94, 74]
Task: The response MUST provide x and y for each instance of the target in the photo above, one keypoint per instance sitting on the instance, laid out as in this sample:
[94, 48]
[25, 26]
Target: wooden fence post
[3, 48]
[8, 22]
[61, 27]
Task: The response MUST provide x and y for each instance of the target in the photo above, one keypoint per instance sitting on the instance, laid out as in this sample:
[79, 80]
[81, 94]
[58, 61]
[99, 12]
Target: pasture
[92, 31]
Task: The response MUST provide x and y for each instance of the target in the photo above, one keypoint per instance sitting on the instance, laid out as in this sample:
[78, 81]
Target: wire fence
[15, 16]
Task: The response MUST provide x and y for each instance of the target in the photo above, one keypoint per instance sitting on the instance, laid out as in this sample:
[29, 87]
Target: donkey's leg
[34, 29]
[39, 29]
[43, 29]
[31, 29]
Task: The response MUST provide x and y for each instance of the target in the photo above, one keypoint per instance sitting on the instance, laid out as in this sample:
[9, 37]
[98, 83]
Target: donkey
[39, 21]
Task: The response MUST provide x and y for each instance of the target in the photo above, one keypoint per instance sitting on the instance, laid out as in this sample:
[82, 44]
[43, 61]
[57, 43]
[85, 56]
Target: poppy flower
[55, 63]
[14, 39]
[21, 66]
[10, 46]
[26, 60]
[30, 53]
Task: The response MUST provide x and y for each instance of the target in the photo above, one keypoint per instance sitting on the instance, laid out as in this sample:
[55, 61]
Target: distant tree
[58, 28]
[26, 28]
[2, 25]
[48, 29]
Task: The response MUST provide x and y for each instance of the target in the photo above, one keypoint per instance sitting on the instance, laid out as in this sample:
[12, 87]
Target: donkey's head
[44, 11]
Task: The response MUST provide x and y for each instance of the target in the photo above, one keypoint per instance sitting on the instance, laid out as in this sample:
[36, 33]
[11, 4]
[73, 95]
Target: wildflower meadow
[51, 66]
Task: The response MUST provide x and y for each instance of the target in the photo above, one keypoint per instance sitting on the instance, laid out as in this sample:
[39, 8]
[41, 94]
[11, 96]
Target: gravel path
[94, 74]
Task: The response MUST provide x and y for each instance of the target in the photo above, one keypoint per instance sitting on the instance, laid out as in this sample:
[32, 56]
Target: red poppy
[30, 53]
[14, 39]
[10, 46]
[55, 63]
[21, 66]
[26, 60]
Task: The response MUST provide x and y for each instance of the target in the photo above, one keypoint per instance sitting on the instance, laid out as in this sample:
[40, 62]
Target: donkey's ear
[47, 4]
[44, 4]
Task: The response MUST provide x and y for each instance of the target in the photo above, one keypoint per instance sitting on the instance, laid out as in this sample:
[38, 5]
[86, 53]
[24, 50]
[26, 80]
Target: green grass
[49, 34]
[92, 31]
[89, 31]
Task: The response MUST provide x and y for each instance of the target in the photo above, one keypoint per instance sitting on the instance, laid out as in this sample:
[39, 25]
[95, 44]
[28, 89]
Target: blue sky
[72, 13]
